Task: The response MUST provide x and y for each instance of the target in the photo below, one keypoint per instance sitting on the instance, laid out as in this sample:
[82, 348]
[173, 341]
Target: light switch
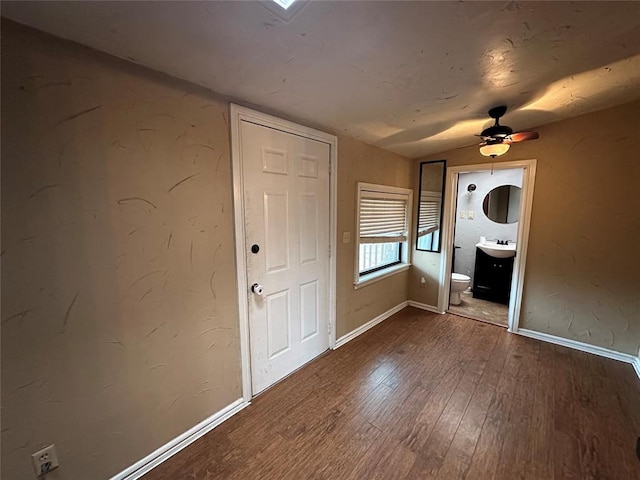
[470, 214]
[462, 215]
[346, 237]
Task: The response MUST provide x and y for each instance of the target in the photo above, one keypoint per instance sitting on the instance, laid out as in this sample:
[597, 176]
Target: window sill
[380, 275]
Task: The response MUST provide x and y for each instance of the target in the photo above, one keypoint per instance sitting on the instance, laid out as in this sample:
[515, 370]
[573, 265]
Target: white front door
[286, 204]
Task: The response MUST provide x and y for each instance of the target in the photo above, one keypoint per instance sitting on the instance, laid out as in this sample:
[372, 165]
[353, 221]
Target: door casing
[526, 204]
[239, 114]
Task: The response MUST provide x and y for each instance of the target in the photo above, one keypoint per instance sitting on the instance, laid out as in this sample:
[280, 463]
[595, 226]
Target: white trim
[240, 248]
[448, 237]
[424, 306]
[524, 224]
[576, 345]
[284, 3]
[237, 115]
[380, 275]
[172, 447]
[370, 324]
[333, 235]
[636, 365]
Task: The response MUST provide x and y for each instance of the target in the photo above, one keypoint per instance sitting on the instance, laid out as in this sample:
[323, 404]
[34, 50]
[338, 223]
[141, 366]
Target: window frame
[361, 280]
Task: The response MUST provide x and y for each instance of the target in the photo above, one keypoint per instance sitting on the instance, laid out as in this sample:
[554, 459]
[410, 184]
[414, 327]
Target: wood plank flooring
[482, 310]
[426, 396]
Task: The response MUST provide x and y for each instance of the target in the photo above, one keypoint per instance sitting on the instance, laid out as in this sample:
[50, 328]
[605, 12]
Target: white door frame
[517, 281]
[239, 114]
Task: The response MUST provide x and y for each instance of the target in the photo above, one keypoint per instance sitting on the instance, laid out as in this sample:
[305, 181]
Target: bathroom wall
[581, 281]
[119, 313]
[468, 231]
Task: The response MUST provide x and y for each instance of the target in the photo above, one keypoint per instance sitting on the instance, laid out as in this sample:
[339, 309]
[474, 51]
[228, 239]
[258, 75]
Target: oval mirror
[502, 204]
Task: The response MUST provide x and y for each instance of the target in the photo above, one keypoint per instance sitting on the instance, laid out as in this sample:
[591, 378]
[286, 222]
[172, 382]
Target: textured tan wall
[582, 279]
[359, 162]
[119, 316]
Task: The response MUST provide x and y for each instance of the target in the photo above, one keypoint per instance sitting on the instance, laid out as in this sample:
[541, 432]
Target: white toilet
[459, 283]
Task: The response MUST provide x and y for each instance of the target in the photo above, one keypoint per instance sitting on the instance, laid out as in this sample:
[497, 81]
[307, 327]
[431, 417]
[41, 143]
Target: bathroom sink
[497, 251]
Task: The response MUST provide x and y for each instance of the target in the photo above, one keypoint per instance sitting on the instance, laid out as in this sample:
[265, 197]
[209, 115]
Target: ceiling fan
[497, 138]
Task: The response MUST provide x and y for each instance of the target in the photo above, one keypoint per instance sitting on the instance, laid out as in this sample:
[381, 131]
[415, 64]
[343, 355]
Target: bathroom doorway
[485, 240]
[485, 236]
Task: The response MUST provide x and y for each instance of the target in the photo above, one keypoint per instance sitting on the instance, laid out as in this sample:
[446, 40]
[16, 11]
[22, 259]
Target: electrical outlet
[470, 216]
[462, 214]
[45, 460]
[346, 237]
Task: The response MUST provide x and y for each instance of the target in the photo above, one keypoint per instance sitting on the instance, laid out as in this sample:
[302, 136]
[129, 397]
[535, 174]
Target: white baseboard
[636, 366]
[163, 453]
[370, 324]
[583, 347]
[424, 306]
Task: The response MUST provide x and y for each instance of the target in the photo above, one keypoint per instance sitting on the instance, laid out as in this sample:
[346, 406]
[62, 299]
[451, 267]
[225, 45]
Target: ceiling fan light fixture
[494, 149]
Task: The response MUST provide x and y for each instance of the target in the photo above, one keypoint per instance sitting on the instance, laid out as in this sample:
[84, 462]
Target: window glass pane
[427, 242]
[374, 256]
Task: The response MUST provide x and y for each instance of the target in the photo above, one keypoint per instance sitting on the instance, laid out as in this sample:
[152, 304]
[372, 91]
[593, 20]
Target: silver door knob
[257, 289]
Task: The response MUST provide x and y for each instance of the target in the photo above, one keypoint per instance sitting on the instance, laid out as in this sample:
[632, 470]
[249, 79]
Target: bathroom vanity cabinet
[492, 277]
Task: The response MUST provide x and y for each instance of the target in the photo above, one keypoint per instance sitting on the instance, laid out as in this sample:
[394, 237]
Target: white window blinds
[429, 217]
[382, 217]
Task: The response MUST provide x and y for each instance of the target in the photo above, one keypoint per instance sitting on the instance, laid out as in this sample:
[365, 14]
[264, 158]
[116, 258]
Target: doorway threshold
[459, 313]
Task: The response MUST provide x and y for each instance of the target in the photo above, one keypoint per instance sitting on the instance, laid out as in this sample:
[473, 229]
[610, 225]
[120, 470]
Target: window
[382, 229]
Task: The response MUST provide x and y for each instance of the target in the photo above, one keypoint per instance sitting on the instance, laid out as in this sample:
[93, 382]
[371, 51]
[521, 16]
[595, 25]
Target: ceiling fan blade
[521, 137]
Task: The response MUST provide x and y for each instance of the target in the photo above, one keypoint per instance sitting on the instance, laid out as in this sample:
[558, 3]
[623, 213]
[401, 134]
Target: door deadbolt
[255, 248]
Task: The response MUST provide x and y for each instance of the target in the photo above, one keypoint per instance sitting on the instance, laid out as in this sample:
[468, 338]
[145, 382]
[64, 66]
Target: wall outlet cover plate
[46, 457]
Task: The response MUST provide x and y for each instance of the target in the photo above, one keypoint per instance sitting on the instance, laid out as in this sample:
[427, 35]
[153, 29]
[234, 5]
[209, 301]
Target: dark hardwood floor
[432, 396]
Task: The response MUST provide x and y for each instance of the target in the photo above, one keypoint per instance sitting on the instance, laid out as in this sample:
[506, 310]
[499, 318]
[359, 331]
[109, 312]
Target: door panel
[278, 327]
[308, 228]
[286, 194]
[276, 229]
[308, 166]
[274, 161]
[309, 309]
